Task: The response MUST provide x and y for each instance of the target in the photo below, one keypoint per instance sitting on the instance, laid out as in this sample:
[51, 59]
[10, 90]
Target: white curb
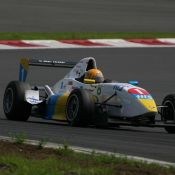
[89, 43]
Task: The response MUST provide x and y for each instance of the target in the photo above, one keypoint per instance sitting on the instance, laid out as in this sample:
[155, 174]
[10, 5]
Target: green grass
[23, 159]
[19, 138]
[17, 165]
[71, 35]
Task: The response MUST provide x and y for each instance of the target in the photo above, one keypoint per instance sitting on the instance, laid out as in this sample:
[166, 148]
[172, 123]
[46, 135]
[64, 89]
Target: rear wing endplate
[25, 63]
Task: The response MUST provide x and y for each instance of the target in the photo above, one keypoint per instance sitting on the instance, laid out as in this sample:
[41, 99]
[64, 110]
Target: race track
[87, 16]
[152, 67]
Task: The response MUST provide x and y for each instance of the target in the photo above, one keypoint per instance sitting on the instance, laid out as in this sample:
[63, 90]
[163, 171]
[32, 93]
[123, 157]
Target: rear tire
[80, 108]
[15, 108]
[168, 113]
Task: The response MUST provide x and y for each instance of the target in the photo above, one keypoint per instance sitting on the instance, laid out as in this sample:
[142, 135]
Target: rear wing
[25, 63]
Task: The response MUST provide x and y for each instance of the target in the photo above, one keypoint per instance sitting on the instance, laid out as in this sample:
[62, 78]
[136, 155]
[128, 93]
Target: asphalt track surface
[87, 16]
[152, 67]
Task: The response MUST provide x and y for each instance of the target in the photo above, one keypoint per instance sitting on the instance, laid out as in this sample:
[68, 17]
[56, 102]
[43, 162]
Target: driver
[94, 74]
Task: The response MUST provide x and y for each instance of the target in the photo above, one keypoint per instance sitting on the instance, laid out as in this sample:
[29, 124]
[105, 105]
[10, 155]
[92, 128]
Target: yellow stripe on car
[24, 63]
[60, 106]
[149, 104]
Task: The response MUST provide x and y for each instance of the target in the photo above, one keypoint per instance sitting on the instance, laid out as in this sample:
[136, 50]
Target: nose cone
[149, 104]
[144, 98]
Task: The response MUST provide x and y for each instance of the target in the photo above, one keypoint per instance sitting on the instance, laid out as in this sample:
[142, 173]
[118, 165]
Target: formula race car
[83, 97]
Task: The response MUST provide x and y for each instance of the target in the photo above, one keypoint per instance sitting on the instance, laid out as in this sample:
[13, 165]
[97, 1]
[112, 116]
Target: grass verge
[70, 35]
[16, 159]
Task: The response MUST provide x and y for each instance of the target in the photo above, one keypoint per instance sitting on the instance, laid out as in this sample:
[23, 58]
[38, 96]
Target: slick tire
[80, 108]
[15, 108]
[168, 113]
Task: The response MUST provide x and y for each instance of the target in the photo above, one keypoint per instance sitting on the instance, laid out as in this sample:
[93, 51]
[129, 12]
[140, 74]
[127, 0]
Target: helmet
[94, 74]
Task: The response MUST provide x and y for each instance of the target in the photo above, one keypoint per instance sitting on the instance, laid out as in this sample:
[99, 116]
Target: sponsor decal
[32, 100]
[51, 62]
[63, 85]
[148, 97]
[98, 90]
[138, 91]
[118, 87]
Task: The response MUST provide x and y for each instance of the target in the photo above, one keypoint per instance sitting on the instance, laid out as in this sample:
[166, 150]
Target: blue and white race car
[83, 97]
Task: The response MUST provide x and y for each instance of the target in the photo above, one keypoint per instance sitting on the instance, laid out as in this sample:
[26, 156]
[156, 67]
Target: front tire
[80, 108]
[168, 112]
[15, 108]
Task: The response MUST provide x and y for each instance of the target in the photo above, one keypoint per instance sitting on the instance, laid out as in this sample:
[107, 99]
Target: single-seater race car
[83, 97]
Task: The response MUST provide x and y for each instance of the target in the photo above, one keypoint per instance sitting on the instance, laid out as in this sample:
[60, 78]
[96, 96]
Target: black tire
[168, 113]
[15, 108]
[80, 108]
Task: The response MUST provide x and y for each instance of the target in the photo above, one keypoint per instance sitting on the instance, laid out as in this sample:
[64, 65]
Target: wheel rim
[8, 100]
[73, 107]
[169, 111]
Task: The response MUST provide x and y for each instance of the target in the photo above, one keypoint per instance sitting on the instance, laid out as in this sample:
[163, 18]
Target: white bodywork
[134, 101]
[32, 97]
